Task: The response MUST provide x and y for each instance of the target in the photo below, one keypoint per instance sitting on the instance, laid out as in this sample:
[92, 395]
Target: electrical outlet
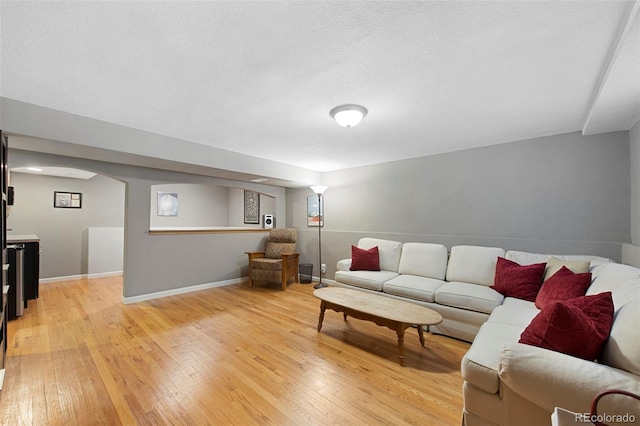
[323, 268]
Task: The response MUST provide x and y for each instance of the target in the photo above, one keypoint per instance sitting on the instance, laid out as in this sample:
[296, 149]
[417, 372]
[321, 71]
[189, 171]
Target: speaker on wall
[268, 221]
[10, 195]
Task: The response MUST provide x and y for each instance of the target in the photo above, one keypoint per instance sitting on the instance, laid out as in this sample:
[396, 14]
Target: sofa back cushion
[388, 251]
[423, 259]
[525, 258]
[473, 264]
[611, 276]
[622, 349]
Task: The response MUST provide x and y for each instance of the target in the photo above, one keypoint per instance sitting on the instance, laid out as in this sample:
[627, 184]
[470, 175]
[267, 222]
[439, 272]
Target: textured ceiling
[259, 78]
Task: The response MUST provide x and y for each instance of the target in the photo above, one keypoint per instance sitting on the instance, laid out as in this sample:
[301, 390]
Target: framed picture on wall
[67, 200]
[315, 211]
[251, 207]
[167, 204]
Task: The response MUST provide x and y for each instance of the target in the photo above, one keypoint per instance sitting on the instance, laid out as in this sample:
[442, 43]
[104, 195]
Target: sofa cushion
[514, 280]
[388, 250]
[622, 350]
[413, 287]
[577, 327]
[520, 316]
[563, 285]
[371, 280]
[473, 264]
[473, 297]
[519, 303]
[365, 260]
[611, 276]
[423, 259]
[526, 258]
[480, 364]
[554, 264]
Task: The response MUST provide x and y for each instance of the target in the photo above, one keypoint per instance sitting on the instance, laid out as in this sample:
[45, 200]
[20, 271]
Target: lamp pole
[319, 190]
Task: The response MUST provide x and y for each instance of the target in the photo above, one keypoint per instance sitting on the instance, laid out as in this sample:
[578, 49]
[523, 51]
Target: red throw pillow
[519, 281]
[365, 260]
[563, 285]
[578, 327]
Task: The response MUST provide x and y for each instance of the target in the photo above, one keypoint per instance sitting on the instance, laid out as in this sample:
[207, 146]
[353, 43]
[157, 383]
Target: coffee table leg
[400, 331]
[323, 306]
[421, 335]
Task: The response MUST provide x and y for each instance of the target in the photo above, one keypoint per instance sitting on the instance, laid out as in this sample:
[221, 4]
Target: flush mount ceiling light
[348, 115]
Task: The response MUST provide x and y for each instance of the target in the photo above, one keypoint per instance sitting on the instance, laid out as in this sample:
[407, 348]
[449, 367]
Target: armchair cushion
[283, 235]
[267, 264]
[275, 250]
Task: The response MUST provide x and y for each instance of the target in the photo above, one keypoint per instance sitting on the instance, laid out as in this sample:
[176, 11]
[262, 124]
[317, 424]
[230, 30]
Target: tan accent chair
[278, 262]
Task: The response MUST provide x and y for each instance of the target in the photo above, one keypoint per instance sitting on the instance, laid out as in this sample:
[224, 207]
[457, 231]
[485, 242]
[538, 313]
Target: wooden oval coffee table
[385, 311]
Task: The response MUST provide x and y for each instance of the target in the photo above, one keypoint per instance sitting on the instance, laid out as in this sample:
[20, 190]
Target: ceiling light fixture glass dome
[348, 115]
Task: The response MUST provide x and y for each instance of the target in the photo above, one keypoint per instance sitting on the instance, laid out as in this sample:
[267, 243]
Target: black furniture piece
[4, 188]
[16, 301]
[30, 270]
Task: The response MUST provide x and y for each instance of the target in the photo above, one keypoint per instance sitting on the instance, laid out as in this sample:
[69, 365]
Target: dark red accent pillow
[515, 280]
[563, 285]
[578, 327]
[365, 260]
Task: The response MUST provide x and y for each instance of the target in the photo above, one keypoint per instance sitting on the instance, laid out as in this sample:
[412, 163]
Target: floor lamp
[319, 190]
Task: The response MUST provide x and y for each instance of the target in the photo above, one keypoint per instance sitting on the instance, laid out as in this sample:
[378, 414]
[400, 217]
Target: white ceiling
[259, 78]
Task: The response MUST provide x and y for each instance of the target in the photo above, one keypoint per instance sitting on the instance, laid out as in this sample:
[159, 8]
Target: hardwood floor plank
[228, 355]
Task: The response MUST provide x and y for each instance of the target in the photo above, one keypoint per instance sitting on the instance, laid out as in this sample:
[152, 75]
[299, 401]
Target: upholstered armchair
[278, 262]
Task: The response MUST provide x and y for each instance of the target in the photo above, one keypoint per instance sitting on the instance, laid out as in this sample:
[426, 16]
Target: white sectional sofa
[506, 382]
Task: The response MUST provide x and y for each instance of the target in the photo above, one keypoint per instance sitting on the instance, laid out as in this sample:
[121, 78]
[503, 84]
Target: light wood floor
[229, 355]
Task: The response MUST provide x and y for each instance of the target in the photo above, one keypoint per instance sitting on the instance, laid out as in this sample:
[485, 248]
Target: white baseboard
[143, 297]
[79, 277]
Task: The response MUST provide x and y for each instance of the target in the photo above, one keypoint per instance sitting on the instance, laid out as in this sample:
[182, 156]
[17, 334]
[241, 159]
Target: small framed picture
[67, 200]
[251, 207]
[167, 204]
[315, 211]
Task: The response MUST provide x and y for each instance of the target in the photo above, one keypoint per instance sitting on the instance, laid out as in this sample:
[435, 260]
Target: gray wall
[634, 137]
[62, 231]
[559, 194]
[631, 252]
[207, 206]
[198, 205]
[155, 263]
[236, 208]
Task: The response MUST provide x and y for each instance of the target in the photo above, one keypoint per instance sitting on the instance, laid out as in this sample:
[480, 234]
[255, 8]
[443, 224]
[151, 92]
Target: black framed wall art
[251, 207]
[67, 200]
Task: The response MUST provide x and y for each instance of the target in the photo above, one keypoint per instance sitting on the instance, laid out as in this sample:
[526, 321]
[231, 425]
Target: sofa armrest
[343, 265]
[551, 379]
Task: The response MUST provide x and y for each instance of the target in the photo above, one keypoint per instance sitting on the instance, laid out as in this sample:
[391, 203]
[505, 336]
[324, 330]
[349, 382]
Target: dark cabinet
[31, 271]
[24, 272]
[4, 185]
